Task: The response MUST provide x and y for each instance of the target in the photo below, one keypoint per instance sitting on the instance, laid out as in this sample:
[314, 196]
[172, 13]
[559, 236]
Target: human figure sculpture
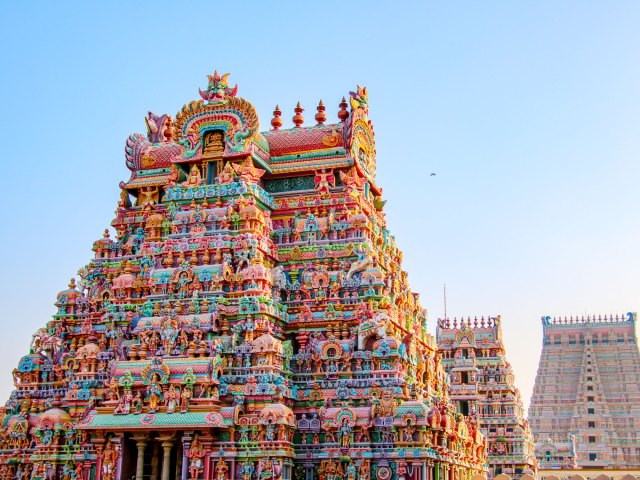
[137, 403]
[247, 172]
[185, 398]
[109, 457]
[172, 399]
[323, 180]
[345, 433]
[148, 196]
[227, 175]
[364, 261]
[154, 396]
[270, 432]
[169, 334]
[194, 179]
[195, 456]
[351, 472]
[246, 470]
[124, 405]
[174, 175]
[221, 470]
[79, 474]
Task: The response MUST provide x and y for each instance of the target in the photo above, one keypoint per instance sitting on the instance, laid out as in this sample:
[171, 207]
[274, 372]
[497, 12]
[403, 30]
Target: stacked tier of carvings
[275, 333]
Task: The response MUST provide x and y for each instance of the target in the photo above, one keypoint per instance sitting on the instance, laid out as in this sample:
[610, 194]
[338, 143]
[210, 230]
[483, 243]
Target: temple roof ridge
[455, 323]
[599, 319]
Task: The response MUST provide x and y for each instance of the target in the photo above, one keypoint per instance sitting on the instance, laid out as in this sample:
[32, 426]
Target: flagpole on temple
[445, 301]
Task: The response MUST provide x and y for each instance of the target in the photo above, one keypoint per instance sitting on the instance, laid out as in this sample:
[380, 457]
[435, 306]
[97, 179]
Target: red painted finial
[298, 119]
[276, 121]
[321, 117]
[343, 114]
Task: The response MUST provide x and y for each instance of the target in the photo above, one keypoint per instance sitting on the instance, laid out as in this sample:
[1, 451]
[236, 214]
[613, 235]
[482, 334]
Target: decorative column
[141, 444]
[186, 444]
[154, 461]
[87, 470]
[99, 445]
[166, 459]
[179, 459]
[119, 446]
[206, 460]
[187, 438]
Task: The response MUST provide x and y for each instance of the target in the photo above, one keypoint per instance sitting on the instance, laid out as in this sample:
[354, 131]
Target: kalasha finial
[321, 117]
[106, 233]
[343, 114]
[72, 284]
[276, 121]
[298, 119]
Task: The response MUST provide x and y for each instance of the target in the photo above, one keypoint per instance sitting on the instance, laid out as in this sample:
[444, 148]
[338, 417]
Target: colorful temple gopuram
[249, 319]
[585, 408]
[483, 386]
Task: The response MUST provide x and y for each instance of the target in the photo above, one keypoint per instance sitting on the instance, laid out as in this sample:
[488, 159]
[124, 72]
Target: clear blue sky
[527, 111]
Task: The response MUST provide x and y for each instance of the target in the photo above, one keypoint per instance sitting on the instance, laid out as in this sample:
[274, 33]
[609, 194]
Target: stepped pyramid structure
[483, 386]
[585, 408]
[250, 320]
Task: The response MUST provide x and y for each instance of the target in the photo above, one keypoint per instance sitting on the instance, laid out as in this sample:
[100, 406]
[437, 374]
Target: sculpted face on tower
[218, 90]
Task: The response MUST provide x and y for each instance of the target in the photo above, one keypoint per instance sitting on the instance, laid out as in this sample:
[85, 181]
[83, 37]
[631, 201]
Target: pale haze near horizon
[527, 113]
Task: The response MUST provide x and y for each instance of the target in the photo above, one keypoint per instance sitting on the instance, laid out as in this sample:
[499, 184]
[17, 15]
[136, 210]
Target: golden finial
[321, 117]
[298, 119]
[343, 114]
[276, 121]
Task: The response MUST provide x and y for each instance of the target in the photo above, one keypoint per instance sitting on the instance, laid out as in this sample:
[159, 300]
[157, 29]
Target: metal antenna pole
[445, 301]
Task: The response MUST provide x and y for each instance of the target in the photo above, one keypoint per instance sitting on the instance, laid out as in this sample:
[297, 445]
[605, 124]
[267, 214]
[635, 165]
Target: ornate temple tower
[250, 319]
[585, 408]
[483, 387]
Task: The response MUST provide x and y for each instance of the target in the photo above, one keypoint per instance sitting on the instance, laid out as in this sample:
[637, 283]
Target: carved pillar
[140, 460]
[119, 446]
[186, 444]
[154, 461]
[179, 460]
[166, 460]
[99, 443]
[207, 461]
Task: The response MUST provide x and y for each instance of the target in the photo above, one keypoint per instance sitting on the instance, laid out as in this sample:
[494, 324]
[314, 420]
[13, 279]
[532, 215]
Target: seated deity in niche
[194, 179]
[213, 145]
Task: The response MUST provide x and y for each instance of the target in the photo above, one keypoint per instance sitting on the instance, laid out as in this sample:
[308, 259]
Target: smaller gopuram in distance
[585, 408]
[249, 320]
[483, 387]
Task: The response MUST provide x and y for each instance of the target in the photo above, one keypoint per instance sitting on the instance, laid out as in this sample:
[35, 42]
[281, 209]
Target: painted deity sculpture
[154, 396]
[195, 455]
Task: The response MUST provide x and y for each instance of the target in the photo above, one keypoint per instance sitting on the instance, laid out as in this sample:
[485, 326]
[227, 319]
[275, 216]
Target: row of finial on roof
[468, 322]
[571, 320]
[298, 119]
